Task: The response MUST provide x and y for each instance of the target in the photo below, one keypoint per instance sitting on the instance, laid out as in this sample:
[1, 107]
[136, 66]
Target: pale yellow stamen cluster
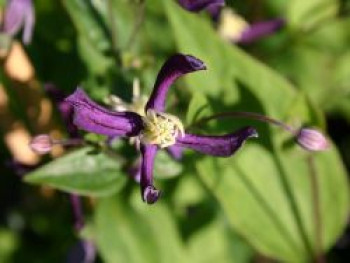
[161, 129]
[231, 25]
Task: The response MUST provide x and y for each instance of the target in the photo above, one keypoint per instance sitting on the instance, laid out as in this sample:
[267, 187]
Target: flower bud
[41, 144]
[312, 140]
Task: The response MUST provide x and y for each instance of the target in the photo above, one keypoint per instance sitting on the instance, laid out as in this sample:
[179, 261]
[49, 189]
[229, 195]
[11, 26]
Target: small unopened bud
[312, 140]
[41, 144]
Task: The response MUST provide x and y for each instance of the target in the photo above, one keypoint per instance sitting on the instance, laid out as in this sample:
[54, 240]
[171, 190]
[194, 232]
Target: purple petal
[176, 66]
[198, 5]
[260, 30]
[149, 193]
[224, 146]
[92, 117]
[19, 13]
[175, 151]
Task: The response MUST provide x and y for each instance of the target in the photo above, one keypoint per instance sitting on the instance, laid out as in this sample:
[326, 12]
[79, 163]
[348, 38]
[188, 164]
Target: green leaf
[96, 62]
[227, 65]
[308, 14]
[166, 167]
[83, 172]
[137, 234]
[199, 108]
[265, 189]
[88, 23]
[270, 203]
[227, 248]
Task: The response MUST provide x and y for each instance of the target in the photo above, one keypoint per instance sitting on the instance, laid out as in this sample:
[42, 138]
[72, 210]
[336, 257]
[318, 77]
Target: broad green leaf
[227, 248]
[83, 172]
[227, 65]
[137, 234]
[96, 62]
[88, 23]
[265, 189]
[199, 108]
[270, 203]
[165, 166]
[308, 14]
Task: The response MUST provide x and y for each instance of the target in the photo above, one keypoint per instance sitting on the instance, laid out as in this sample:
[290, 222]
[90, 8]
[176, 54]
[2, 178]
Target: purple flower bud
[41, 144]
[312, 140]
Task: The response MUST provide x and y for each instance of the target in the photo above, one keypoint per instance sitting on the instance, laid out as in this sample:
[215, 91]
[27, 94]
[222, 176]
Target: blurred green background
[271, 202]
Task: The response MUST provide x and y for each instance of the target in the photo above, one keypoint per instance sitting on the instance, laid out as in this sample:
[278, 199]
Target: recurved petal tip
[150, 194]
[194, 63]
[175, 67]
[249, 132]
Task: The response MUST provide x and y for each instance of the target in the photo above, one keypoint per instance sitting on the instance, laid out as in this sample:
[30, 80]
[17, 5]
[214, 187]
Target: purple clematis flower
[155, 129]
[19, 14]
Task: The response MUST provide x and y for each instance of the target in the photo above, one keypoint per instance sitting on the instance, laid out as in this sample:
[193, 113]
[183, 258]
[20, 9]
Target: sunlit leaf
[265, 190]
[87, 22]
[145, 234]
[83, 171]
[307, 14]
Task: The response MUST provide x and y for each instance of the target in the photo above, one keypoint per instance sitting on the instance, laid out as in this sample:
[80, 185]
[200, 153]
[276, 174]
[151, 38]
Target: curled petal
[223, 146]
[19, 13]
[260, 30]
[92, 117]
[149, 193]
[176, 66]
[198, 5]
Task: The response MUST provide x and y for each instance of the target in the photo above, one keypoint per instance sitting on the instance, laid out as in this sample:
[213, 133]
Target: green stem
[113, 32]
[247, 115]
[319, 257]
[138, 23]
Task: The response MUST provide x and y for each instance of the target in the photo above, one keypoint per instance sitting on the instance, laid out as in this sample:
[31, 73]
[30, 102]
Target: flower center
[161, 129]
